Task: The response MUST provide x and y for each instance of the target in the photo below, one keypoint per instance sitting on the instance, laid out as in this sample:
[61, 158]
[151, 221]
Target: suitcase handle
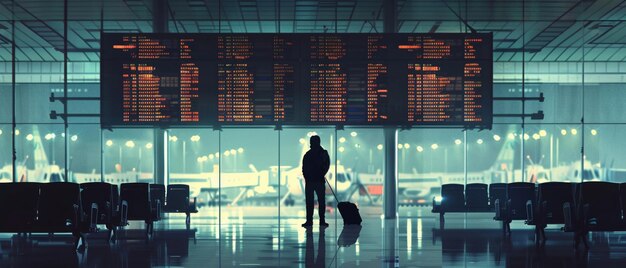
[331, 190]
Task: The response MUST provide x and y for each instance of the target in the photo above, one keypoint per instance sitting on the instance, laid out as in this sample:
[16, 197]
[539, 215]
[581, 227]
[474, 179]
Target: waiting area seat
[548, 209]
[518, 194]
[46, 208]
[140, 204]
[177, 199]
[508, 201]
[597, 206]
[580, 207]
[111, 211]
[460, 198]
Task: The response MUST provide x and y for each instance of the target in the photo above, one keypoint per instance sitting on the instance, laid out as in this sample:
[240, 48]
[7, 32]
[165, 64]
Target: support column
[390, 171]
[159, 25]
[390, 185]
[160, 156]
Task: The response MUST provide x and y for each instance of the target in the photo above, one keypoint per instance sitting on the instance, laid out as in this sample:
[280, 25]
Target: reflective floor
[415, 240]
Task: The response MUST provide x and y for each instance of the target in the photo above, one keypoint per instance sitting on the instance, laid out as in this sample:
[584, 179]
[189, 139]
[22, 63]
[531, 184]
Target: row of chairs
[147, 202]
[46, 208]
[579, 207]
[64, 207]
[475, 197]
[591, 206]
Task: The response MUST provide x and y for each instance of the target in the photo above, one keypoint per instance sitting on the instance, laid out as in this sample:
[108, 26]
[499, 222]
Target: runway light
[407, 146]
[173, 138]
[233, 151]
[195, 138]
[74, 138]
[341, 149]
[563, 132]
[543, 133]
[434, 146]
[457, 142]
[496, 137]
[302, 141]
[217, 155]
[536, 136]
[342, 140]
[48, 137]
[149, 145]
[479, 141]
[594, 132]
[204, 158]
[199, 159]
[511, 136]
[211, 156]
[353, 134]
[400, 146]
[130, 144]
[17, 132]
[240, 150]
[29, 137]
[379, 147]
[526, 136]
[226, 153]
[109, 143]
[419, 148]
[574, 131]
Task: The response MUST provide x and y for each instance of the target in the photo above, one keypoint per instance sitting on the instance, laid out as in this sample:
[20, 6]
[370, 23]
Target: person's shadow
[311, 259]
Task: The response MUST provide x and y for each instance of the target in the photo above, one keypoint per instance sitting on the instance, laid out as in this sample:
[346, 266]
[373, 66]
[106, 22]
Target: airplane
[419, 188]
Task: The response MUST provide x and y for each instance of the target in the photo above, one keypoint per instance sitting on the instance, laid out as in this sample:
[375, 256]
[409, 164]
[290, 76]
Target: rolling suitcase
[349, 212]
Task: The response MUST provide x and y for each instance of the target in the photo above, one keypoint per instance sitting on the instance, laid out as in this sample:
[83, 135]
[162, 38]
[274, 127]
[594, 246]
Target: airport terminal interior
[171, 133]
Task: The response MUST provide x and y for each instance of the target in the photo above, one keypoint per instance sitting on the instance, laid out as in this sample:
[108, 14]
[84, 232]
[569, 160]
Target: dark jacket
[315, 164]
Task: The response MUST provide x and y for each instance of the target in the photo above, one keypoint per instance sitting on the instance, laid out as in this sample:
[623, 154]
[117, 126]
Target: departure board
[296, 79]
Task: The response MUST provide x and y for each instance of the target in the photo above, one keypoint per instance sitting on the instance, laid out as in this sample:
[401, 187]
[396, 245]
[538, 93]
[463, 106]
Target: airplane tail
[39, 156]
[505, 159]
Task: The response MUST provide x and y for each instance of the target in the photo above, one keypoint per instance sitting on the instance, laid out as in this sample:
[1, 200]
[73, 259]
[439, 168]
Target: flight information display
[296, 79]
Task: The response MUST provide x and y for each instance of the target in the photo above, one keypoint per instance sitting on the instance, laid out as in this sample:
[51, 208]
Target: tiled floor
[472, 240]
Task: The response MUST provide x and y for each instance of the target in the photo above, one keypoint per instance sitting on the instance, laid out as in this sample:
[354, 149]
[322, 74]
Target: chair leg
[149, 228]
[80, 243]
[442, 220]
[585, 240]
[537, 234]
[188, 220]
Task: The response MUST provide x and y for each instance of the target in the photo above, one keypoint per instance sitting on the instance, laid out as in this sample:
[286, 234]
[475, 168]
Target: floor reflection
[471, 241]
[489, 248]
[313, 260]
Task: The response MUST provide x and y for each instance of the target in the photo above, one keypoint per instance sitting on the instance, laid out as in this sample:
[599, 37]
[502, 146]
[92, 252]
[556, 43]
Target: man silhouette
[315, 164]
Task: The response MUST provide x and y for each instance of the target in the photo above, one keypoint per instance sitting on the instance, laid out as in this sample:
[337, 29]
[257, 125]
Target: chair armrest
[507, 209]
[124, 213]
[567, 215]
[586, 208]
[530, 212]
[498, 209]
[76, 222]
[93, 217]
[158, 210]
